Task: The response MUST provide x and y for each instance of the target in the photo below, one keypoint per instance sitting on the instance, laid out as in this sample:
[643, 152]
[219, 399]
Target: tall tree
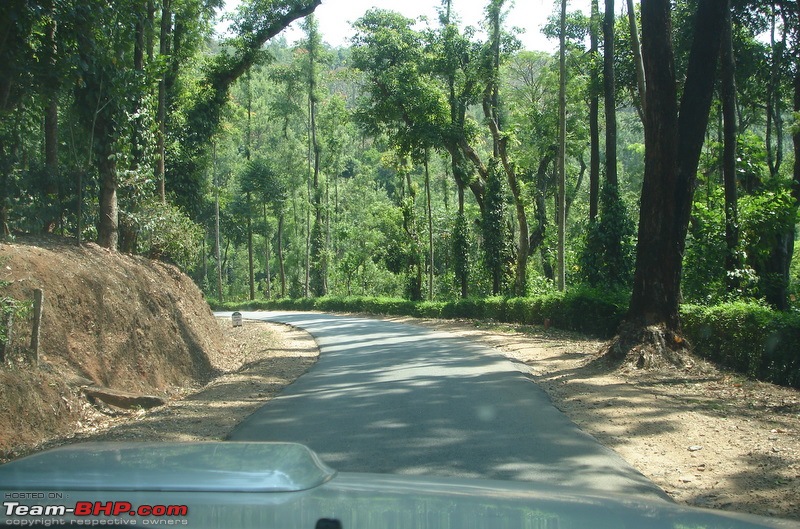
[161, 118]
[673, 143]
[610, 94]
[636, 49]
[500, 139]
[562, 147]
[594, 112]
[318, 267]
[728, 99]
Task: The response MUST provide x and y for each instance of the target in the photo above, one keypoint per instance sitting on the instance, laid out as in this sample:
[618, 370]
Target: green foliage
[767, 219]
[607, 257]
[585, 310]
[163, 231]
[461, 249]
[764, 219]
[497, 255]
[703, 278]
[748, 337]
[10, 308]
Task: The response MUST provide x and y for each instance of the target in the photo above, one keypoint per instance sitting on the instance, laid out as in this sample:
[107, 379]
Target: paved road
[394, 398]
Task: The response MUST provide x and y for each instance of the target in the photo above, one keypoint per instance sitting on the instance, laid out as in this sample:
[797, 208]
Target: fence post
[5, 348]
[38, 299]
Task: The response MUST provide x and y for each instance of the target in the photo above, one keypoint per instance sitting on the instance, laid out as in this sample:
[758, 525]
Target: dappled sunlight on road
[393, 398]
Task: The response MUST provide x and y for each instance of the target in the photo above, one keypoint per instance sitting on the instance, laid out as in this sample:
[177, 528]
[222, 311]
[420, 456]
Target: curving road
[387, 397]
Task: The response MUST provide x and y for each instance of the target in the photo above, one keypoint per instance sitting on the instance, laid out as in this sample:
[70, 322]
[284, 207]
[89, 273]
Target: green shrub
[747, 337]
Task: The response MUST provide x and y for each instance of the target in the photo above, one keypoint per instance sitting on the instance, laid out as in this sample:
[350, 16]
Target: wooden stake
[38, 299]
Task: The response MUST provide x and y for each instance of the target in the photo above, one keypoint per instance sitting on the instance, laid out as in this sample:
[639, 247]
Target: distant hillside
[109, 320]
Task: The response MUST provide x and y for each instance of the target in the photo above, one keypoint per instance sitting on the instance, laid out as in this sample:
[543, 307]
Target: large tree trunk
[672, 150]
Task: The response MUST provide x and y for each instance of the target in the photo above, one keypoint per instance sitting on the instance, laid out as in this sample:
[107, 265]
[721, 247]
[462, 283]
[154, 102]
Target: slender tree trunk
[610, 96]
[161, 113]
[636, 49]
[5, 171]
[594, 116]
[281, 263]
[149, 33]
[796, 170]
[318, 268]
[728, 71]
[204, 261]
[108, 224]
[429, 212]
[500, 151]
[267, 254]
[250, 266]
[562, 149]
[774, 119]
[217, 244]
[51, 188]
[248, 197]
[463, 276]
[796, 137]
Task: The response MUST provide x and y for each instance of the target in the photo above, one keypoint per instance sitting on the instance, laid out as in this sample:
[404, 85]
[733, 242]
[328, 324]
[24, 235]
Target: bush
[586, 310]
[162, 231]
[747, 337]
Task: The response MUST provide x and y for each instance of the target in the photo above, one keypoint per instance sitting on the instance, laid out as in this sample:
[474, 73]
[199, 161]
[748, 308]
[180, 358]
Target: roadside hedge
[585, 310]
[747, 337]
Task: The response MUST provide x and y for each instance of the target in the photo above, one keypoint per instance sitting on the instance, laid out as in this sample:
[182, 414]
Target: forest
[654, 158]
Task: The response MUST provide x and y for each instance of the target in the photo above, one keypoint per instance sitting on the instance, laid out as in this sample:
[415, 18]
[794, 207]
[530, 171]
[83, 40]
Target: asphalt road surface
[387, 397]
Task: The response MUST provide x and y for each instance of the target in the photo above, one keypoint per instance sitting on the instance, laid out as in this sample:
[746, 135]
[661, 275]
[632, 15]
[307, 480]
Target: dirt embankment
[109, 320]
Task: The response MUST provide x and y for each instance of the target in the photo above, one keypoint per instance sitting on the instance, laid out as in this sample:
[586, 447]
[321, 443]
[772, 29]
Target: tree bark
[796, 137]
[268, 291]
[672, 150]
[51, 129]
[500, 143]
[429, 212]
[636, 49]
[728, 71]
[108, 223]
[538, 237]
[217, 241]
[609, 94]
[282, 268]
[594, 117]
[562, 149]
[161, 113]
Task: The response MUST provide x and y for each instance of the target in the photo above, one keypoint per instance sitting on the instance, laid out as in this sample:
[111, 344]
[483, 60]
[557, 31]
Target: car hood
[285, 485]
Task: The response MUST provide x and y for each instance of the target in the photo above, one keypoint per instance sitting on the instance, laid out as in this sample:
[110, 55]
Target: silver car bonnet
[198, 467]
